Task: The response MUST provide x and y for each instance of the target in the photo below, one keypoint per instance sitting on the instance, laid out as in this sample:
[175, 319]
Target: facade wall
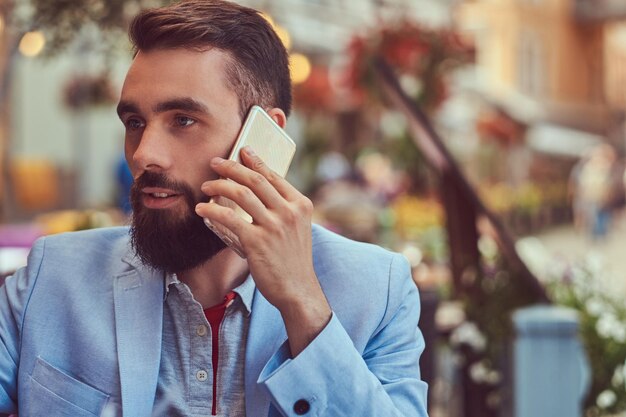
[615, 63]
[537, 48]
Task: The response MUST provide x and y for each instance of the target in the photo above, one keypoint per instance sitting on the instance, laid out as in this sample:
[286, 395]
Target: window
[530, 65]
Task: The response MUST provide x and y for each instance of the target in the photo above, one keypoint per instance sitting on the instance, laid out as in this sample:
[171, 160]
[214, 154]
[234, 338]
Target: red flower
[410, 49]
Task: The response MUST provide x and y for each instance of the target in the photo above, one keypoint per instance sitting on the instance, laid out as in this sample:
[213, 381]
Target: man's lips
[158, 198]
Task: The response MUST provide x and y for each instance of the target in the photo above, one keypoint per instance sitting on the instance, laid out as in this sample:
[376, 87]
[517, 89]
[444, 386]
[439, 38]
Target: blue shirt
[185, 384]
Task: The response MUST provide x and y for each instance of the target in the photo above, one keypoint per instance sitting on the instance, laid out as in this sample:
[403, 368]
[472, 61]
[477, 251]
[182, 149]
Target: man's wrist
[304, 319]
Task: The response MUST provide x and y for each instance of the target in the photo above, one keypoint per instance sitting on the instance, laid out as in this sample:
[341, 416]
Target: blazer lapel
[138, 326]
[265, 335]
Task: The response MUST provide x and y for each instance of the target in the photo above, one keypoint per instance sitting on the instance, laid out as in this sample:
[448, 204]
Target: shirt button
[201, 330]
[301, 407]
[202, 375]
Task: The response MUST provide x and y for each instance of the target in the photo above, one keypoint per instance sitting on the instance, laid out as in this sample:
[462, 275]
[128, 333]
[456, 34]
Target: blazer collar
[138, 294]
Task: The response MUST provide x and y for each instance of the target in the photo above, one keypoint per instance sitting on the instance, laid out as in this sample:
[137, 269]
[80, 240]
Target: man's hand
[277, 244]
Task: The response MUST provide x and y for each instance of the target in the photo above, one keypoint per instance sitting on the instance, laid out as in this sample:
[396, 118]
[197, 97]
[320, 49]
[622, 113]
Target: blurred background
[484, 139]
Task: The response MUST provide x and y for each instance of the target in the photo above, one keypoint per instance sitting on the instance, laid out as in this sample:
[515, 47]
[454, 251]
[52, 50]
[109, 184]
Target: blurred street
[565, 243]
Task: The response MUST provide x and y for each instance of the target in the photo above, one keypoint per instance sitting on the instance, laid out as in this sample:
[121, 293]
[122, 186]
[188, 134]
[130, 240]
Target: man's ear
[278, 116]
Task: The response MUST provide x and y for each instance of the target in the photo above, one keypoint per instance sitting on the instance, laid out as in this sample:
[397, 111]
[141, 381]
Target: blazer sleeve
[14, 297]
[331, 378]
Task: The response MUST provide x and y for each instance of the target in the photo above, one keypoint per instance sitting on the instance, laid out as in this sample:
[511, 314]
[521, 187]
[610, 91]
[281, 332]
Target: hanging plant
[82, 91]
[64, 20]
[422, 58]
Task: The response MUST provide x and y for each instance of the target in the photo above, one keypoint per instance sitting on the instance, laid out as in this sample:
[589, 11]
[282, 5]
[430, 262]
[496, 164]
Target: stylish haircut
[258, 71]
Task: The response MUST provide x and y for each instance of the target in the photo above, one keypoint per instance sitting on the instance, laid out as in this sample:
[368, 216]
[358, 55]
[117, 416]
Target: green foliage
[64, 21]
[496, 296]
[490, 296]
[603, 332]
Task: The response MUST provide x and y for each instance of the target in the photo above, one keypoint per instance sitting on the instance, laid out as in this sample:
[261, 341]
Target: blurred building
[615, 76]
[326, 26]
[565, 57]
[600, 9]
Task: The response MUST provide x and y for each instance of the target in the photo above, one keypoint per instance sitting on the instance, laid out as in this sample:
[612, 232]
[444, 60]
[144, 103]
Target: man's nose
[152, 153]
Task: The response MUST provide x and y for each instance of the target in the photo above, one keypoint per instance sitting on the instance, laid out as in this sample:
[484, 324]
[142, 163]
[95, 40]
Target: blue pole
[551, 369]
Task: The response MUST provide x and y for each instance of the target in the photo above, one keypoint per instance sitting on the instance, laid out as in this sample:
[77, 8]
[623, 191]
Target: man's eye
[184, 121]
[133, 124]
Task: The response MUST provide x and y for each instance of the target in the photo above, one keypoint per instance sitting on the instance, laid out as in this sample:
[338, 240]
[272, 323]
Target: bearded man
[162, 318]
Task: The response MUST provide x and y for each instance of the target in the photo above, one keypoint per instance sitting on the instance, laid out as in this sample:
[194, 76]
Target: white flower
[482, 373]
[469, 334]
[618, 376]
[494, 399]
[478, 372]
[488, 247]
[619, 334]
[412, 85]
[595, 306]
[493, 377]
[450, 315]
[595, 262]
[606, 399]
[624, 374]
[609, 326]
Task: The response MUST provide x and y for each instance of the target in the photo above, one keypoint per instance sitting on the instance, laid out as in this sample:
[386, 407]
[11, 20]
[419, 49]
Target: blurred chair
[35, 184]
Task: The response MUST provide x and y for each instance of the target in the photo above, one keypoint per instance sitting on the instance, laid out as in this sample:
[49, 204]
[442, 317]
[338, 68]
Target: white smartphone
[272, 144]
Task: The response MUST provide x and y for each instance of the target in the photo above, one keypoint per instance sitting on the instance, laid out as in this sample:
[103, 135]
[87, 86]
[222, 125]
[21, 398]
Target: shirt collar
[245, 290]
[246, 293]
[170, 279]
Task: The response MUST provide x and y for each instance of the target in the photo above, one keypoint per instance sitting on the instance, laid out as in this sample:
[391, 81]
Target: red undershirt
[214, 316]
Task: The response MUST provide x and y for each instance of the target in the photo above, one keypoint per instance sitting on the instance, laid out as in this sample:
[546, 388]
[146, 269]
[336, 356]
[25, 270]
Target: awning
[561, 141]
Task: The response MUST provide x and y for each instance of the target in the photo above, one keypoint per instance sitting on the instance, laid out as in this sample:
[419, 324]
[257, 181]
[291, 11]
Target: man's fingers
[255, 178]
[238, 193]
[223, 215]
[255, 181]
[254, 162]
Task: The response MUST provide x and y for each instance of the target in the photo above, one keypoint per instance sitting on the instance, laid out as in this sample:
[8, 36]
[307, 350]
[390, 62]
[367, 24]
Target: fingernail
[217, 160]
[249, 150]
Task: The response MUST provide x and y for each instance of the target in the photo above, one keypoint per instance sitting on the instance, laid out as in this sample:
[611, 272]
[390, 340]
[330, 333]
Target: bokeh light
[32, 43]
[300, 68]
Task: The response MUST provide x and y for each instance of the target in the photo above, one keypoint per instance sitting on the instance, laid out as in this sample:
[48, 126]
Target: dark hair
[259, 68]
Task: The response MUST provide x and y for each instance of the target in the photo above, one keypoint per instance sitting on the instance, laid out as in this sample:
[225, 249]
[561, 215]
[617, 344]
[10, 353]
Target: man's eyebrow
[126, 107]
[185, 104]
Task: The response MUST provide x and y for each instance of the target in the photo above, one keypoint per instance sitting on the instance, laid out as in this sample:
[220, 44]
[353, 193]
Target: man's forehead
[206, 52]
[178, 64]
[178, 72]
[179, 78]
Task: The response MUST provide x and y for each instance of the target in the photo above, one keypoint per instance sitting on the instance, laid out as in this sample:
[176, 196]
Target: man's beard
[164, 239]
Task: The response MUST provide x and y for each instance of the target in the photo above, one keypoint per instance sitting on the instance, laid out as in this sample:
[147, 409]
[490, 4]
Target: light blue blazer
[80, 335]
